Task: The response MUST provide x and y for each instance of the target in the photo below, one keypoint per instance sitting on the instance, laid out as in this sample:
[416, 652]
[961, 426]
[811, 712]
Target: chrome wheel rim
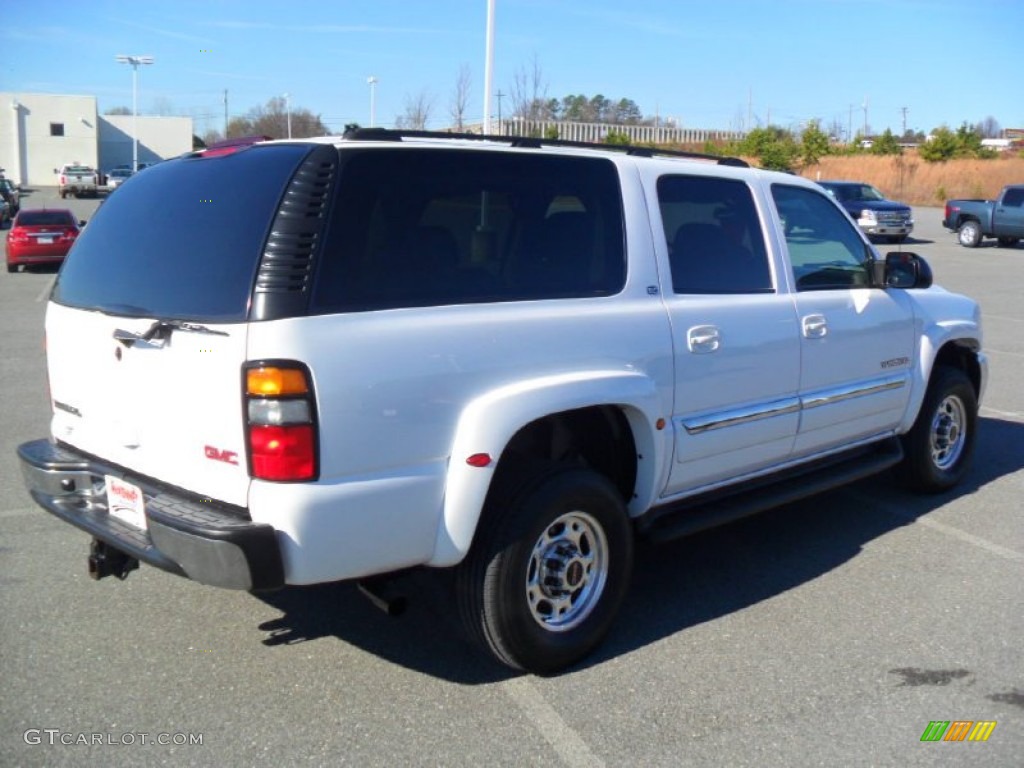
[968, 235]
[949, 432]
[567, 571]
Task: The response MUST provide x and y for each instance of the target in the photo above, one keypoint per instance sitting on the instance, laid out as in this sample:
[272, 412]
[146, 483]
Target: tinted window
[825, 250]
[432, 227]
[46, 218]
[184, 240]
[714, 236]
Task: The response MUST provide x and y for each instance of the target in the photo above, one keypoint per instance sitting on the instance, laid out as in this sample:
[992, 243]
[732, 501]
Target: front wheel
[969, 234]
[939, 446]
[548, 569]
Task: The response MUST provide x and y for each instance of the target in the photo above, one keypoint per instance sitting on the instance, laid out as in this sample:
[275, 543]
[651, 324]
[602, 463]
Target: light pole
[288, 110]
[135, 61]
[372, 82]
[488, 66]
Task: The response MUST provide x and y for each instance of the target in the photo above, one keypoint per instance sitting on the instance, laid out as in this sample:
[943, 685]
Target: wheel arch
[607, 422]
[963, 353]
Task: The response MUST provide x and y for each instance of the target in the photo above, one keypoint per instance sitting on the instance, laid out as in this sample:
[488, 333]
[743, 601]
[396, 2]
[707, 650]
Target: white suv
[300, 362]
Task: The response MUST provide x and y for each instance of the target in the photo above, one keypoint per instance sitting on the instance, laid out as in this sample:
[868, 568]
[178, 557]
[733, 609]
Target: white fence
[597, 132]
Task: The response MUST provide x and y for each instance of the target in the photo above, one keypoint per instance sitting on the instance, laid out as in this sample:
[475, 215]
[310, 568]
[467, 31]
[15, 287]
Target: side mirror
[81, 222]
[902, 270]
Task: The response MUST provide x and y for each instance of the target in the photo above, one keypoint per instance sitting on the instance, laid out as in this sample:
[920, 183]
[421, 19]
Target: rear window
[184, 241]
[45, 218]
[432, 227]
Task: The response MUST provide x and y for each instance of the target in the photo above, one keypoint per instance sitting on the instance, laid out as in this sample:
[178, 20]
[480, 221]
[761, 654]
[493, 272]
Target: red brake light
[283, 453]
[280, 422]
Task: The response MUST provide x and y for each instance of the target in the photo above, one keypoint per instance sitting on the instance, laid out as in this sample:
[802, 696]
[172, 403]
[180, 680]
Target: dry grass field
[910, 179]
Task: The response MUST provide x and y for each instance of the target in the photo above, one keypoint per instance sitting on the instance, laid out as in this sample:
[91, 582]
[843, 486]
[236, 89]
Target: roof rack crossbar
[534, 142]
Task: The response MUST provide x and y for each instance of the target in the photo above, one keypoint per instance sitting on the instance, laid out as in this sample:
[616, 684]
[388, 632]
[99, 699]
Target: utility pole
[904, 111]
[750, 108]
[849, 127]
[865, 117]
[500, 132]
[488, 66]
[225, 113]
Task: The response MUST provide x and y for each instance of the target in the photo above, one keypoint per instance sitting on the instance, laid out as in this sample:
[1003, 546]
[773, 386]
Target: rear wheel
[969, 234]
[548, 569]
[938, 448]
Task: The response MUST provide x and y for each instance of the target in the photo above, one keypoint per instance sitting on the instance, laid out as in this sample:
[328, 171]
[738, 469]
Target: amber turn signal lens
[275, 381]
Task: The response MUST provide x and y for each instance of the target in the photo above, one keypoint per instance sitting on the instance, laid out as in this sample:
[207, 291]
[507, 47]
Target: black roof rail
[534, 142]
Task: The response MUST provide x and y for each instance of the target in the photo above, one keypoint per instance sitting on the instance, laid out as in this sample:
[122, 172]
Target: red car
[41, 237]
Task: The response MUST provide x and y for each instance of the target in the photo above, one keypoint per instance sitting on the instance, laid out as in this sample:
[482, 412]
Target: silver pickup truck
[77, 180]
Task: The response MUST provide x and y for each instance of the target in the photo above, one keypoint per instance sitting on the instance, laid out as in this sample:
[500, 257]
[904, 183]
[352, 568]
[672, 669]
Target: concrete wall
[29, 150]
[160, 138]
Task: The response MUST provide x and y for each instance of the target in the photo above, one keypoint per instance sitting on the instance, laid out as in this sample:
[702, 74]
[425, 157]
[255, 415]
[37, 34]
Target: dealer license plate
[125, 502]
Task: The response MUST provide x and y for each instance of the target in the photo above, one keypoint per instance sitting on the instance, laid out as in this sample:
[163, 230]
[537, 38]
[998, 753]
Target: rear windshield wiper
[160, 331]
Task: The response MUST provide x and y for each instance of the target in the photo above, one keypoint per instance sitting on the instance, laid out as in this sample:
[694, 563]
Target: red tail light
[281, 429]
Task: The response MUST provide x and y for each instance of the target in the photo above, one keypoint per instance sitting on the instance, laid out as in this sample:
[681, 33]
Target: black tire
[939, 446]
[1008, 242]
[969, 234]
[548, 569]
[12, 268]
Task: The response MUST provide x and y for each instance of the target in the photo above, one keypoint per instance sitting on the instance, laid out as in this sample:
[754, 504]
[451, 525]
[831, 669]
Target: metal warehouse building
[40, 132]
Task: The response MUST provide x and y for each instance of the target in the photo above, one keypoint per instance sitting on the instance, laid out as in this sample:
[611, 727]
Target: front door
[856, 341]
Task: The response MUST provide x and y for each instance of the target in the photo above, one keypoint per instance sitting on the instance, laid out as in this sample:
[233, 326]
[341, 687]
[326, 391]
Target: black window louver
[283, 278]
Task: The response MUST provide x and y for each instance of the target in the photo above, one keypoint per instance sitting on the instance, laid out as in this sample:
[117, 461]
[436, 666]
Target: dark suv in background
[875, 215]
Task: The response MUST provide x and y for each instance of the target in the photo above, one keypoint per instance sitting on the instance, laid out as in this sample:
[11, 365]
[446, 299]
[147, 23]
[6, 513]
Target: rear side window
[714, 236]
[415, 227]
[825, 250]
[183, 241]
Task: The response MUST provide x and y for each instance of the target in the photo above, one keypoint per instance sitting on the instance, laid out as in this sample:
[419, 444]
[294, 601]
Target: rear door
[736, 344]
[147, 326]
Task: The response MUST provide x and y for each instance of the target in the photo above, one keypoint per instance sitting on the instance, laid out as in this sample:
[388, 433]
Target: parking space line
[1004, 352]
[43, 294]
[7, 513]
[986, 411]
[563, 739]
[949, 530]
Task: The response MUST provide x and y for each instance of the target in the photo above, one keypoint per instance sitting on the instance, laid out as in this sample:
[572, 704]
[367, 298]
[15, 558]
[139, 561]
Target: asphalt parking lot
[826, 633]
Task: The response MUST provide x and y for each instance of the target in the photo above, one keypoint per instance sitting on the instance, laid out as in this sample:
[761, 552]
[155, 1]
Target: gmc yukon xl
[504, 357]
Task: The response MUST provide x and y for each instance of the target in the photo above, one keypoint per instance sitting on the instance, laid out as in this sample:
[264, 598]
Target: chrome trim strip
[827, 397]
[742, 416]
[751, 413]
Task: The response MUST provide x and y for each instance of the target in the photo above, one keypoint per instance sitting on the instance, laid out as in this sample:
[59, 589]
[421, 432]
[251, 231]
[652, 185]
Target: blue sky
[707, 64]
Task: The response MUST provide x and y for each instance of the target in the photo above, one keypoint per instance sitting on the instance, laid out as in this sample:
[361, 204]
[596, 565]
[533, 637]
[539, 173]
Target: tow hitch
[105, 560]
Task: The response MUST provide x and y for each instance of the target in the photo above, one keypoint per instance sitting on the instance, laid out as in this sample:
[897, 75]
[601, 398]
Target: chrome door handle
[814, 326]
[703, 338]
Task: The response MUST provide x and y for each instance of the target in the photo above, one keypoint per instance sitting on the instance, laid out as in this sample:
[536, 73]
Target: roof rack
[531, 142]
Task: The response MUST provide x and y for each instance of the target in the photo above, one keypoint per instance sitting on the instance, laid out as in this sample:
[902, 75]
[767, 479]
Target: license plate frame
[125, 502]
[44, 240]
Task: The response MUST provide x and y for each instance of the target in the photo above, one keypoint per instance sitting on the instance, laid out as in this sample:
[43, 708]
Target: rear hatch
[147, 324]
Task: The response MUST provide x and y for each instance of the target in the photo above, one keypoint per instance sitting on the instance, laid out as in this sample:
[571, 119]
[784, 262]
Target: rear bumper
[190, 538]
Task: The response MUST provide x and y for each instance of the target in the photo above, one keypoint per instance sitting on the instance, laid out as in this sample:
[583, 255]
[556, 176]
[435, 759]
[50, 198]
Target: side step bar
[697, 513]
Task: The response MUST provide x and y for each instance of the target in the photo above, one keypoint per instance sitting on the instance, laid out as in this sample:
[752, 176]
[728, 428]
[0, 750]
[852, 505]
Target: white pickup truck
[78, 180]
[507, 357]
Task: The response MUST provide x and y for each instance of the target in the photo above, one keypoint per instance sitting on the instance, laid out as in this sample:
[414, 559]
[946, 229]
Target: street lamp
[372, 82]
[288, 109]
[135, 61]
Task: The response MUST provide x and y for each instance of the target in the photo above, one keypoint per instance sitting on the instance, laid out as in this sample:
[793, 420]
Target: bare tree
[460, 97]
[417, 112]
[990, 128]
[163, 106]
[529, 92]
[272, 120]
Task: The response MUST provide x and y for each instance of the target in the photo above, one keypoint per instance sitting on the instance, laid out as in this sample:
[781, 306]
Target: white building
[39, 132]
